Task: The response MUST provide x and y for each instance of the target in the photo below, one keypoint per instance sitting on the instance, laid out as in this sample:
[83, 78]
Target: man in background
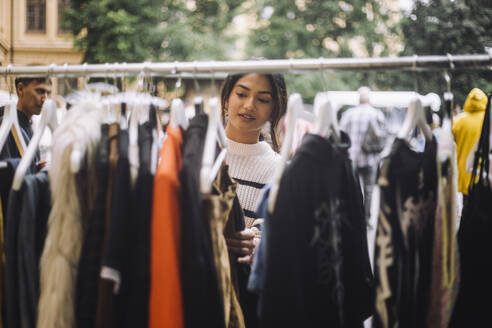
[366, 128]
[32, 93]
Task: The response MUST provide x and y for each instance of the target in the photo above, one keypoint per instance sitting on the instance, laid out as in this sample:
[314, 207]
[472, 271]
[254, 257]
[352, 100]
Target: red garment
[166, 309]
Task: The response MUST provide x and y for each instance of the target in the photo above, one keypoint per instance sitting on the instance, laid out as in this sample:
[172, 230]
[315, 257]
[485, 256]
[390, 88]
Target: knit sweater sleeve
[252, 167]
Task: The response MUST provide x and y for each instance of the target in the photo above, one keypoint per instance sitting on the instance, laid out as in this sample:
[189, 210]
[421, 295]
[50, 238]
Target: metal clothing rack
[195, 68]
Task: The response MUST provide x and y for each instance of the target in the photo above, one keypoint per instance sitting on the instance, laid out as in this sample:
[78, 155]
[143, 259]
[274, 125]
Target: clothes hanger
[76, 155]
[11, 119]
[325, 111]
[48, 119]
[136, 110]
[415, 117]
[415, 114]
[446, 147]
[178, 115]
[326, 119]
[198, 100]
[154, 153]
[294, 110]
[215, 132]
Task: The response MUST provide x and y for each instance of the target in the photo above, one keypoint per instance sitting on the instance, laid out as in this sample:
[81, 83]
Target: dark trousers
[367, 177]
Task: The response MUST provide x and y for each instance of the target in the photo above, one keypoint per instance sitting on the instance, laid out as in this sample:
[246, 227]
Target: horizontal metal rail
[417, 63]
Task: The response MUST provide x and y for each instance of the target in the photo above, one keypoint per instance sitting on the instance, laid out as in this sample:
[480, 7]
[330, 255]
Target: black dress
[202, 301]
[135, 290]
[317, 263]
[90, 257]
[404, 239]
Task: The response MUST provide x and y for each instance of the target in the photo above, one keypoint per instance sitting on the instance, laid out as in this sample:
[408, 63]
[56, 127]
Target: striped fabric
[355, 122]
[252, 167]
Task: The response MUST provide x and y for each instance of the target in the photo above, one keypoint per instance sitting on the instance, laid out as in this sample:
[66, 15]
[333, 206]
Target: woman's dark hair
[279, 97]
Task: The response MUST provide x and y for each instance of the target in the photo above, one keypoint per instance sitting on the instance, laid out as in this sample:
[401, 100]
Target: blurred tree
[197, 29]
[116, 30]
[437, 27]
[312, 29]
[139, 30]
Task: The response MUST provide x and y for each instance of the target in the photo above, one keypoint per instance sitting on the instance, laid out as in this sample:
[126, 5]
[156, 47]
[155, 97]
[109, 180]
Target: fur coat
[73, 197]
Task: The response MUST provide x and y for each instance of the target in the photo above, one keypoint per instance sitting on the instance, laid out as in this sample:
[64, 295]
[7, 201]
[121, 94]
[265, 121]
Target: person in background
[32, 93]
[365, 126]
[467, 127]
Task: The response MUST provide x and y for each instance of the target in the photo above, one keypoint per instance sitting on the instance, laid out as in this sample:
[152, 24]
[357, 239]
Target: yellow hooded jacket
[467, 127]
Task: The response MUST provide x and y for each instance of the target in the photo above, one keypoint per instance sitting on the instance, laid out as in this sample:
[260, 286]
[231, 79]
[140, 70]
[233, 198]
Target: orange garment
[166, 309]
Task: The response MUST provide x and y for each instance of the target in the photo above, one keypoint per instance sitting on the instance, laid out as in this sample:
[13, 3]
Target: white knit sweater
[252, 167]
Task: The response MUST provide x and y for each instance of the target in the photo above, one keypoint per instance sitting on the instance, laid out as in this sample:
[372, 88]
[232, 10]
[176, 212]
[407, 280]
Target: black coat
[25, 226]
[135, 289]
[202, 301]
[90, 258]
[317, 262]
[36, 207]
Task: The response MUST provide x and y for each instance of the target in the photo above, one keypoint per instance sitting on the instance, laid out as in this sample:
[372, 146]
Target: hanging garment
[257, 277]
[239, 271]
[104, 314]
[90, 258]
[202, 301]
[217, 208]
[36, 206]
[165, 308]
[135, 295]
[405, 230]
[12, 314]
[317, 246]
[466, 131]
[445, 256]
[114, 256]
[70, 201]
[473, 304]
[2, 265]
[6, 177]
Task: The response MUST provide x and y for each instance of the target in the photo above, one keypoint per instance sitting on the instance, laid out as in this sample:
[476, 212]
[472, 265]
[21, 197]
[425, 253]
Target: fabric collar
[323, 149]
[241, 149]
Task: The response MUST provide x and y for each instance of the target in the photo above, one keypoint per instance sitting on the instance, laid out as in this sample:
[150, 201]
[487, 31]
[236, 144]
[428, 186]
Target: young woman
[249, 102]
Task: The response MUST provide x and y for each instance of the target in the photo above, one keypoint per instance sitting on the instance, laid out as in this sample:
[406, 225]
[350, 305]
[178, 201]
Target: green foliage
[115, 30]
[139, 30]
[437, 27]
[301, 29]
[169, 30]
[198, 31]
[312, 29]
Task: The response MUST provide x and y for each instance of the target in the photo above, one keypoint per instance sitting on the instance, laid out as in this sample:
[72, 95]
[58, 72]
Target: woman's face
[249, 107]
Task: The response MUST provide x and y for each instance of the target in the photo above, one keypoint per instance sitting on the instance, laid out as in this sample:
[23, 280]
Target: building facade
[31, 33]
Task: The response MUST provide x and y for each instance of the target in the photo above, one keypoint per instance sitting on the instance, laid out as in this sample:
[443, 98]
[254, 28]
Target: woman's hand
[243, 243]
